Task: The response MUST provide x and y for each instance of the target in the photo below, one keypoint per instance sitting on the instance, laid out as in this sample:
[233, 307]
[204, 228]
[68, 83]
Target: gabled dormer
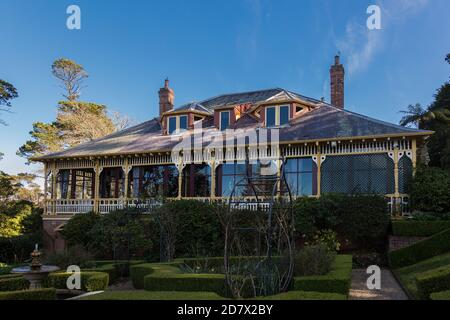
[184, 118]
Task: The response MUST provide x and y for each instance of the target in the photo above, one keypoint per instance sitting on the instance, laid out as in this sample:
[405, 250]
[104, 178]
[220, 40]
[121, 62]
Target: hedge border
[442, 295]
[90, 280]
[434, 280]
[34, 294]
[422, 250]
[336, 281]
[416, 228]
[13, 282]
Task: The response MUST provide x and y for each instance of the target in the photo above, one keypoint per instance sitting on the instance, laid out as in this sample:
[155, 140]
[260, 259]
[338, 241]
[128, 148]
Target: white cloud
[359, 45]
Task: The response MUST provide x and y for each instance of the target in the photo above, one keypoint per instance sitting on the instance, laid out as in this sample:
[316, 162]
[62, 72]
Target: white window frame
[177, 124]
[220, 119]
[277, 113]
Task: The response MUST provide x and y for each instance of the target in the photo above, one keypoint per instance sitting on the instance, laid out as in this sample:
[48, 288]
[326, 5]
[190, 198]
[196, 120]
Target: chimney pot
[337, 73]
[166, 98]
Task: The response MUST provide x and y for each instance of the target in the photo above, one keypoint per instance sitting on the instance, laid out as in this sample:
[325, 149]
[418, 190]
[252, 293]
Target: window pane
[270, 117]
[172, 124]
[305, 184]
[224, 120]
[284, 115]
[183, 122]
[305, 164]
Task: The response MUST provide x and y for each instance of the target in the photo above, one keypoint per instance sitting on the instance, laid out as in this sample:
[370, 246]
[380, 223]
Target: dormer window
[224, 120]
[177, 124]
[277, 116]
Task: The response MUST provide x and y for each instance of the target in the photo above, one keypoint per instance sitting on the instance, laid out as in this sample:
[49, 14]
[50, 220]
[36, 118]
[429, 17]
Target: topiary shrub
[90, 280]
[13, 282]
[313, 260]
[434, 280]
[34, 294]
[430, 190]
[422, 250]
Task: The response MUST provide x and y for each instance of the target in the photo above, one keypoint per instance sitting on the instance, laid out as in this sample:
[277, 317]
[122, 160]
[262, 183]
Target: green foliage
[71, 256]
[414, 228]
[76, 230]
[314, 260]
[430, 191]
[7, 93]
[120, 233]
[90, 280]
[154, 295]
[198, 230]
[407, 275]
[362, 219]
[35, 294]
[328, 238]
[422, 250]
[435, 280]
[305, 295]
[138, 273]
[17, 249]
[443, 295]
[71, 75]
[13, 282]
[337, 280]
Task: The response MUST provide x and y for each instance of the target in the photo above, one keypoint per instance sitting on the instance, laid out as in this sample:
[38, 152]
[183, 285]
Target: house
[198, 151]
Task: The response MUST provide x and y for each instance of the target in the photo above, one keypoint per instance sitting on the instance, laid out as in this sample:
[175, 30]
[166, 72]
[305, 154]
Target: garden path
[390, 288]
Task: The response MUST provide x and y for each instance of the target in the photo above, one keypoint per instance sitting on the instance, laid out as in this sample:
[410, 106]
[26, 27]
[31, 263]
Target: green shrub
[362, 219]
[326, 237]
[75, 255]
[198, 231]
[35, 294]
[153, 295]
[4, 268]
[119, 234]
[16, 249]
[110, 269]
[443, 295]
[76, 230]
[138, 273]
[427, 248]
[418, 228]
[90, 280]
[430, 190]
[13, 282]
[313, 260]
[305, 295]
[434, 280]
[337, 280]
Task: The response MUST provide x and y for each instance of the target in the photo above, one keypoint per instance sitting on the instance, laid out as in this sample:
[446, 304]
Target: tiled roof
[323, 122]
[192, 106]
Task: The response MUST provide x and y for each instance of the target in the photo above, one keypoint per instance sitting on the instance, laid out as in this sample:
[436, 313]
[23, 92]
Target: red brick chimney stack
[337, 83]
[166, 98]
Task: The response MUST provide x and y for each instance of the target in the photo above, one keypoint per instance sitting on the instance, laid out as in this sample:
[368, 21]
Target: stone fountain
[35, 272]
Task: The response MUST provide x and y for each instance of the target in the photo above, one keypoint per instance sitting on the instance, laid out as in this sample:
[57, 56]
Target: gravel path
[390, 289]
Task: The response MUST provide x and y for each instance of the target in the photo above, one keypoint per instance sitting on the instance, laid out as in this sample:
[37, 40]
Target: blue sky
[212, 47]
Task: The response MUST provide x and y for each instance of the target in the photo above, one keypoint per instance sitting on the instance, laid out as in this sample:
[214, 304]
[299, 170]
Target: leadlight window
[153, 181]
[196, 180]
[369, 173]
[224, 120]
[301, 175]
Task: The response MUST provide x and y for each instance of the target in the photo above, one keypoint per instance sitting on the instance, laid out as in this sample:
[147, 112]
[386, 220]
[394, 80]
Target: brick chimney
[337, 83]
[166, 98]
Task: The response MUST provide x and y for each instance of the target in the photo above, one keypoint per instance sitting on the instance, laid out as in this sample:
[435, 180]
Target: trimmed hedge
[90, 280]
[35, 294]
[427, 248]
[138, 273]
[305, 295]
[335, 281]
[443, 295]
[13, 282]
[434, 280]
[153, 295]
[414, 228]
[115, 268]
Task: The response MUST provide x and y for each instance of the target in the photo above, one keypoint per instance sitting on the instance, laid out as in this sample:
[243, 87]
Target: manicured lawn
[178, 295]
[407, 274]
[154, 295]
